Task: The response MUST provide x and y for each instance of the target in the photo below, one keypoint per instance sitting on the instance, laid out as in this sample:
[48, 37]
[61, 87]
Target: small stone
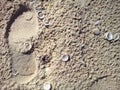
[97, 22]
[82, 46]
[29, 16]
[42, 67]
[109, 36]
[47, 86]
[42, 76]
[66, 58]
[45, 59]
[96, 31]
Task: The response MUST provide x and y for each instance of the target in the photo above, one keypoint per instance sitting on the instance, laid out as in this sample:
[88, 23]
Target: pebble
[65, 58]
[109, 36]
[47, 86]
[96, 31]
[29, 16]
[45, 59]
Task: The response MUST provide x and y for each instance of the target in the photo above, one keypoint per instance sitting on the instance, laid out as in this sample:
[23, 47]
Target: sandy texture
[36, 34]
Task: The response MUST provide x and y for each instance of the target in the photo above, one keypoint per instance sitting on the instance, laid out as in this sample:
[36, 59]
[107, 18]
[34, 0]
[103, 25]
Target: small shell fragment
[65, 58]
[109, 36]
[97, 22]
[116, 36]
[47, 86]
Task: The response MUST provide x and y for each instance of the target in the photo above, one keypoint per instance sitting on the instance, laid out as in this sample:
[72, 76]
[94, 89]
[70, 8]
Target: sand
[36, 34]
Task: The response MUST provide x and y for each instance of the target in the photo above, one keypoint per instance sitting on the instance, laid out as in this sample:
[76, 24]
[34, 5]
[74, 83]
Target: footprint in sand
[22, 27]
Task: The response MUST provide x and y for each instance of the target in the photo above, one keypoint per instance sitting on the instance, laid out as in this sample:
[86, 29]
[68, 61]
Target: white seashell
[109, 36]
[40, 15]
[116, 36]
[65, 58]
[47, 86]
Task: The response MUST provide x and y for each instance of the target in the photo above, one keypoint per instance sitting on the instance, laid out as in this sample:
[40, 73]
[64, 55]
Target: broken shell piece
[109, 36]
[116, 36]
[47, 86]
[65, 58]
[40, 15]
[47, 22]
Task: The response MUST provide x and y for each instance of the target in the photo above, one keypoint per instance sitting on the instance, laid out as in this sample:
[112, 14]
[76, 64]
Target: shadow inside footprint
[22, 8]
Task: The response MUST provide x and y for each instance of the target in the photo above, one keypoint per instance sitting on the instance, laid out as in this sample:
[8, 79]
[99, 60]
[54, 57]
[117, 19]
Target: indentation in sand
[22, 28]
[104, 84]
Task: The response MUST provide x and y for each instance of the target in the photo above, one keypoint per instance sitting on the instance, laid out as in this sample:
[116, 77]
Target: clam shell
[47, 86]
[109, 36]
[65, 58]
